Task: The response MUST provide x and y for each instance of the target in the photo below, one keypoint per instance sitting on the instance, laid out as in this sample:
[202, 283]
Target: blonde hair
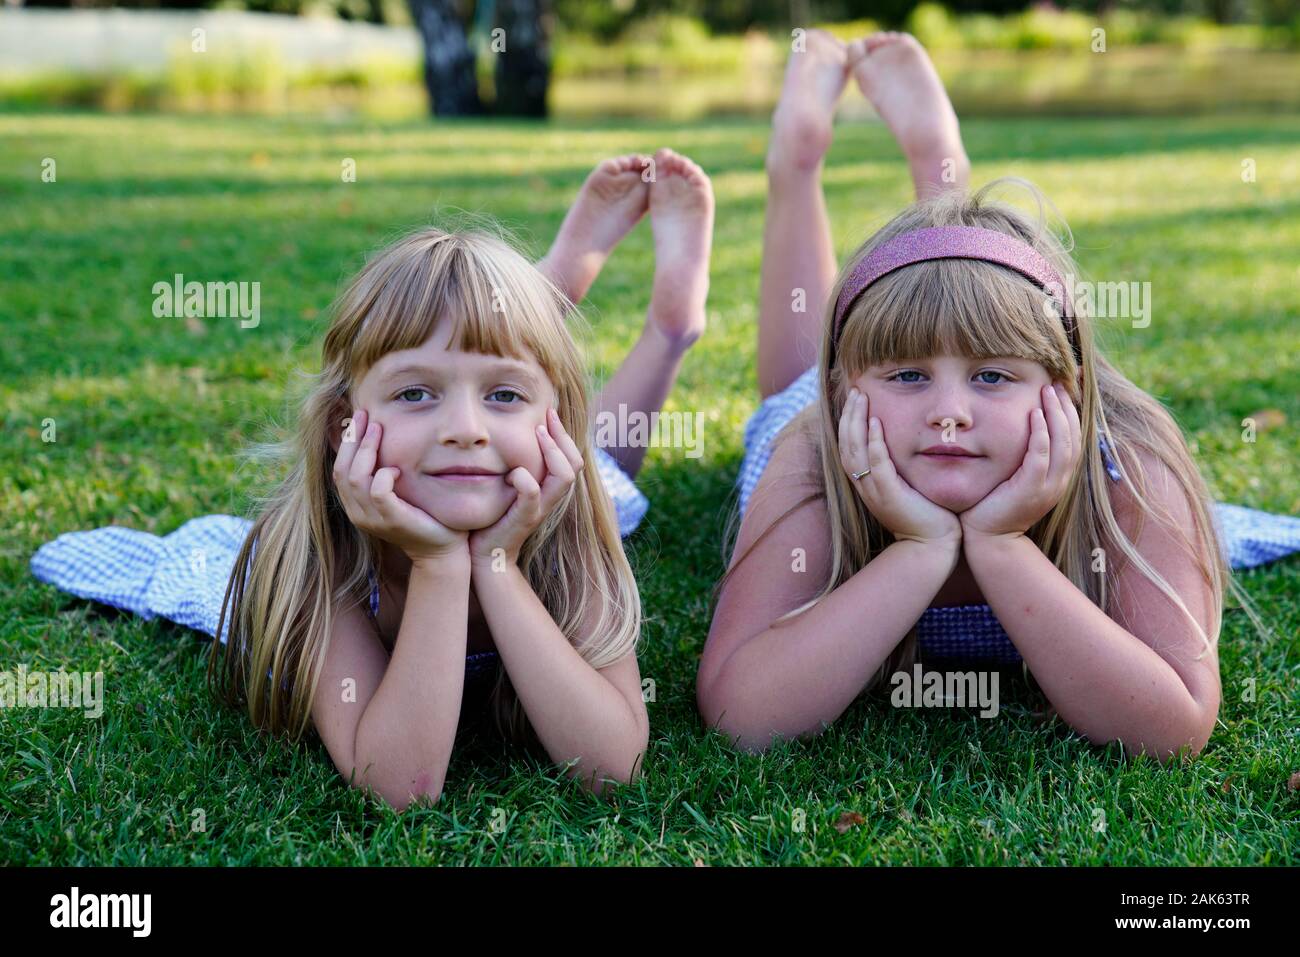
[281, 599]
[979, 309]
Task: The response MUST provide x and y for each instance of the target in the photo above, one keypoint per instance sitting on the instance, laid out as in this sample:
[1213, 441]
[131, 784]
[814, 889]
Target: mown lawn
[150, 413]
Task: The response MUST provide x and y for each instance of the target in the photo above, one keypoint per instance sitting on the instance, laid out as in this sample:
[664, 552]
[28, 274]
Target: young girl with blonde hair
[441, 540]
[960, 477]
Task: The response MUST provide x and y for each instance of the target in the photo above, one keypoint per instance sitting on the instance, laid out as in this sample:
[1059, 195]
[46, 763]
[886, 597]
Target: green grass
[149, 413]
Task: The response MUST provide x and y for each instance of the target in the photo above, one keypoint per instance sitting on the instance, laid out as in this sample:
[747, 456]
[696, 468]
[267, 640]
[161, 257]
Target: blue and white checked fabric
[182, 576]
[1250, 537]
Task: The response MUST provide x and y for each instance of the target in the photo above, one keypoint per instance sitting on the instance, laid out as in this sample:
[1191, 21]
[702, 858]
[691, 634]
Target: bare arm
[596, 719]
[757, 679]
[1138, 684]
[395, 732]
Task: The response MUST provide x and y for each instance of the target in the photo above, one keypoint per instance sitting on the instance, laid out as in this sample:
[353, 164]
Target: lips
[949, 452]
[462, 475]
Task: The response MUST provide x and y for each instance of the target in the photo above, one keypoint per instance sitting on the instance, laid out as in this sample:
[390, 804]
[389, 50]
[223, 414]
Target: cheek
[522, 447]
[397, 447]
[894, 418]
[1013, 425]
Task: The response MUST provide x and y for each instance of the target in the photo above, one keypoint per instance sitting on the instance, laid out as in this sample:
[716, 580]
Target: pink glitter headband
[956, 242]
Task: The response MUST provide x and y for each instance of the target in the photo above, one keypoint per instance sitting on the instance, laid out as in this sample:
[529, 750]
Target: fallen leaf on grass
[1266, 419]
[849, 819]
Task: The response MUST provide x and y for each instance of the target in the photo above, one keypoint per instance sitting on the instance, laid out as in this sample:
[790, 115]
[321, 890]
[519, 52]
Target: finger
[383, 482]
[381, 504]
[562, 438]
[845, 461]
[1038, 454]
[363, 463]
[878, 452]
[348, 442]
[1072, 416]
[558, 468]
[1061, 455]
[527, 510]
[858, 437]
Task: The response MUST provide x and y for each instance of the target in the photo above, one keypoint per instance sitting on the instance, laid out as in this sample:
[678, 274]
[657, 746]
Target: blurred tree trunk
[448, 60]
[523, 67]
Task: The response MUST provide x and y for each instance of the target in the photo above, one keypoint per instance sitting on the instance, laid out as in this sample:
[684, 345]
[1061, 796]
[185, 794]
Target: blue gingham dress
[182, 576]
[1249, 537]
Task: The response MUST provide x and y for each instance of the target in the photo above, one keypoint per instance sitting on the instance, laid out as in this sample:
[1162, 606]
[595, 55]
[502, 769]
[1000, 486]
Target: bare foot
[896, 75]
[801, 124]
[681, 218]
[613, 199]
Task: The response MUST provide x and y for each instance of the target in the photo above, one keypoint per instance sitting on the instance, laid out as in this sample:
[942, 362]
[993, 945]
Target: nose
[460, 422]
[949, 406]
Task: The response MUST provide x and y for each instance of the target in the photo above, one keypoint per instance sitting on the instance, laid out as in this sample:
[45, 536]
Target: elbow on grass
[1185, 749]
[740, 734]
[605, 782]
[421, 792]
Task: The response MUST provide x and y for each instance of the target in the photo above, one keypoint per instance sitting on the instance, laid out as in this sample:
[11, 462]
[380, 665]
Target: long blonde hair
[979, 309]
[281, 598]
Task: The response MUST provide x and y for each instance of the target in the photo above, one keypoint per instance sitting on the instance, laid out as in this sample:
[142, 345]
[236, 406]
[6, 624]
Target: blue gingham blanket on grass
[182, 576]
[1249, 537]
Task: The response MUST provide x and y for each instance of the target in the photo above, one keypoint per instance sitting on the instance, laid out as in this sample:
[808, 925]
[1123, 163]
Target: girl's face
[952, 402]
[445, 409]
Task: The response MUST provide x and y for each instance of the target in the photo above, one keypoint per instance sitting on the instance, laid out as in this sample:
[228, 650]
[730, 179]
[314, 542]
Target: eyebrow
[502, 366]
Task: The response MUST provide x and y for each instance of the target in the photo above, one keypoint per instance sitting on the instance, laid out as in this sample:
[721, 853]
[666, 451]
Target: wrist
[946, 549]
[492, 562]
[442, 564]
[974, 540]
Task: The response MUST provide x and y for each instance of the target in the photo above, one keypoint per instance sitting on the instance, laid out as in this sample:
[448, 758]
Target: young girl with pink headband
[959, 476]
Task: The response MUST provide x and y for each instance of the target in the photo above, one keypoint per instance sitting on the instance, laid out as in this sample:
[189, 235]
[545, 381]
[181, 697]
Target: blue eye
[412, 389]
[510, 392]
[898, 376]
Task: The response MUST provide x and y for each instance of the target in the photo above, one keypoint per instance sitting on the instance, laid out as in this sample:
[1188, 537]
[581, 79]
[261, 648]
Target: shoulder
[782, 556]
[1165, 531]
[354, 664]
[1167, 539]
[790, 495]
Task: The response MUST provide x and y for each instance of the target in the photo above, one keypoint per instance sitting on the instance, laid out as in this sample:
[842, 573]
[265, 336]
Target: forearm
[795, 676]
[640, 384]
[1106, 683]
[576, 712]
[405, 737]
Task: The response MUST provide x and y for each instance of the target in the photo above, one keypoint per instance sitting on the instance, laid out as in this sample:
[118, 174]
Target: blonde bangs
[496, 306]
[954, 307]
